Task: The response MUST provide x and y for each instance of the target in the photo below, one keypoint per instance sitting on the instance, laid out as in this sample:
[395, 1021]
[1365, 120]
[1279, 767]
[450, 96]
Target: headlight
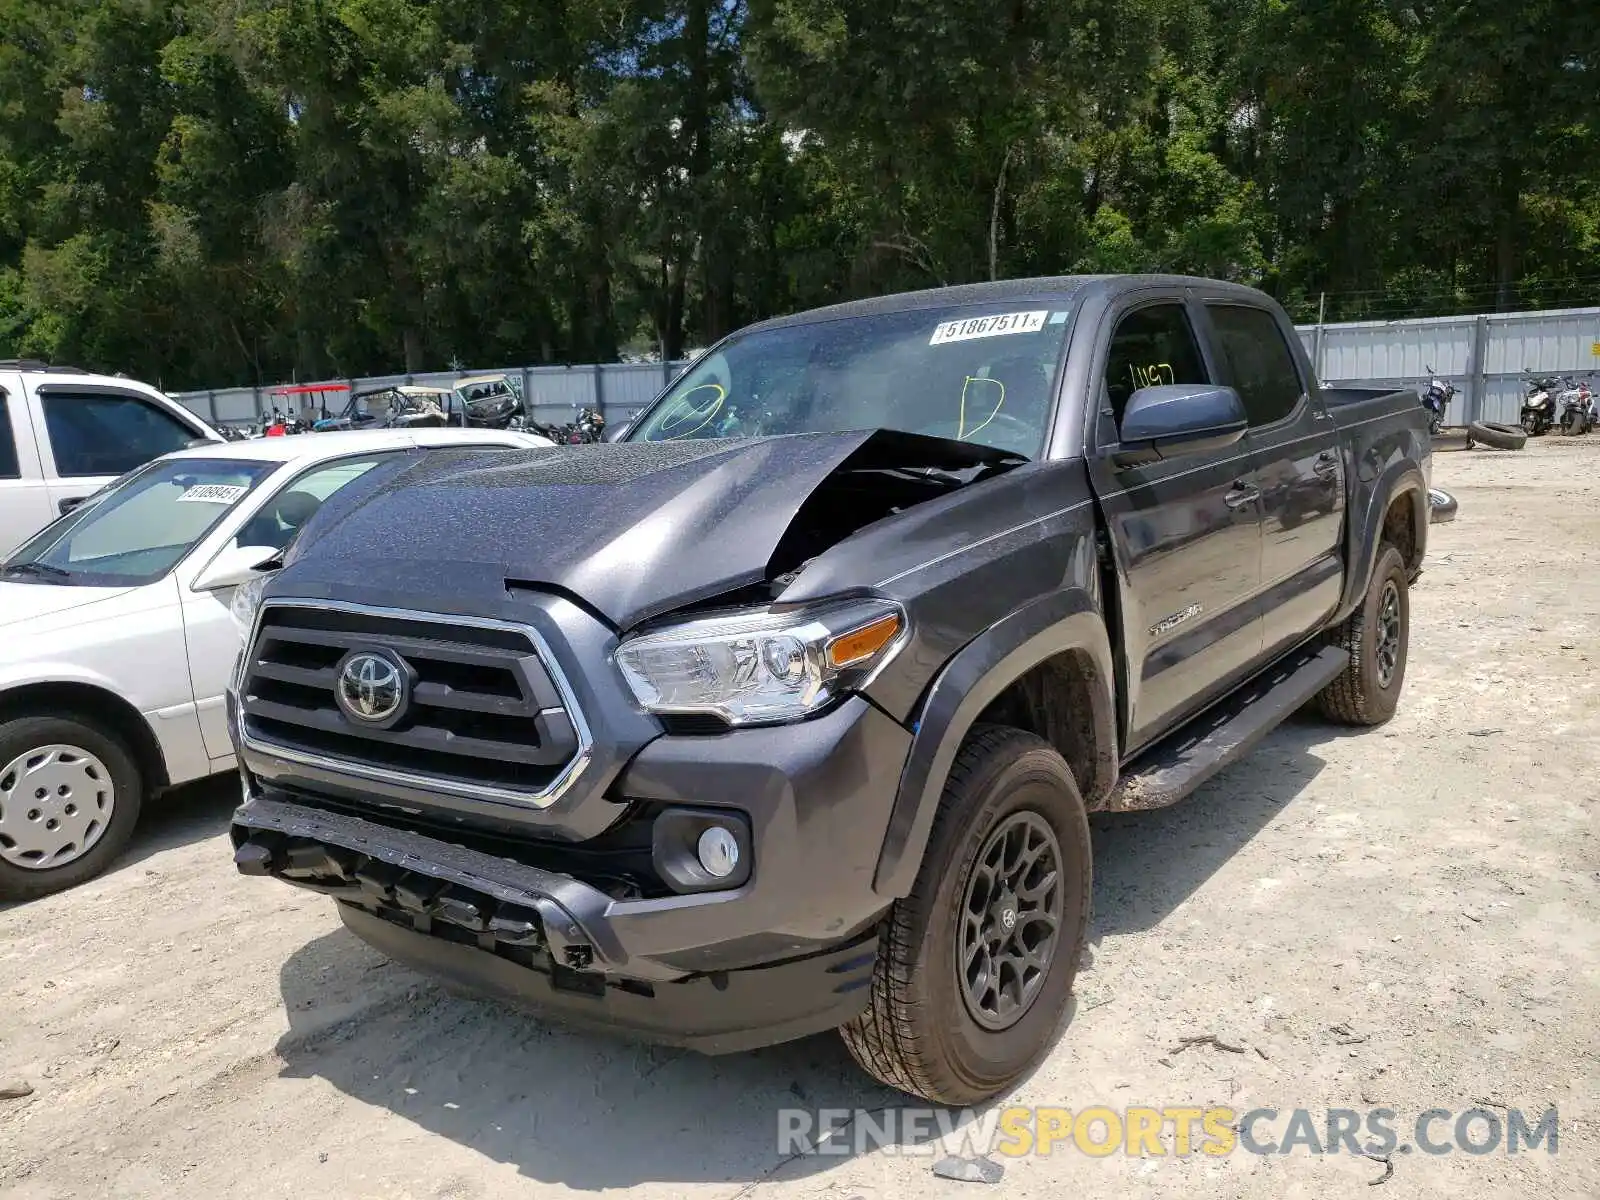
[762, 668]
[246, 600]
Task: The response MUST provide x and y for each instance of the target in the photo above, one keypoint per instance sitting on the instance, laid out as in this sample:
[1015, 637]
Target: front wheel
[69, 799]
[975, 966]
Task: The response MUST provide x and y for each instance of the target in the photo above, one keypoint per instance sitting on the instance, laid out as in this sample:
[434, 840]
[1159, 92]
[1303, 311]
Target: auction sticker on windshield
[995, 326]
[213, 493]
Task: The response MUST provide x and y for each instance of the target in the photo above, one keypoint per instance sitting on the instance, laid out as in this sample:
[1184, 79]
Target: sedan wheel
[70, 793]
[55, 804]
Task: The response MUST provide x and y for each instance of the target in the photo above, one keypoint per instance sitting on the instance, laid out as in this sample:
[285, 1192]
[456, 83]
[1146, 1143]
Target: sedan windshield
[979, 374]
[136, 530]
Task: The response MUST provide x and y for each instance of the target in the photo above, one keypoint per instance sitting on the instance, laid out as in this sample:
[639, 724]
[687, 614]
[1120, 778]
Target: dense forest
[211, 192]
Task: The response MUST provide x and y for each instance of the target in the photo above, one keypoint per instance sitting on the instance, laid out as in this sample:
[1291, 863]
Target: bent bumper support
[496, 926]
[369, 864]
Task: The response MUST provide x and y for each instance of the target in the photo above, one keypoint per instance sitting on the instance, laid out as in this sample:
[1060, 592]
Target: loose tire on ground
[1442, 506]
[1360, 695]
[918, 1033]
[20, 736]
[1501, 437]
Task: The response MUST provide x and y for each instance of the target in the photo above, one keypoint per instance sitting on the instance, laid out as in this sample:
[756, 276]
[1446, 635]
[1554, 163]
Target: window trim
[42, 391]
[1302, 401]
[1199, 327]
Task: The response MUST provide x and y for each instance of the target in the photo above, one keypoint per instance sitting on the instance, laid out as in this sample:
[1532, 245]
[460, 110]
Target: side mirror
[1183, 418]
[615, 433]
[235, 565]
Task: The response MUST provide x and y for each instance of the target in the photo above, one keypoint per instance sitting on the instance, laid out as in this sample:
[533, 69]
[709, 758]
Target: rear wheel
[976, 965]
[69, 799]
[1377, 635]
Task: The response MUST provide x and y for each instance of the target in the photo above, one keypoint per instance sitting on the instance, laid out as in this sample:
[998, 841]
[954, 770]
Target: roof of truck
[1056, 287]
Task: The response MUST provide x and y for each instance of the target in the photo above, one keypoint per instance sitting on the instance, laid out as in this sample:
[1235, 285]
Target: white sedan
[116, 640]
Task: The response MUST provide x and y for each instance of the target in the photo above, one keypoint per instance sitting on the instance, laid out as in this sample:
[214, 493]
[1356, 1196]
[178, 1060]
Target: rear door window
[99, 434]
[1259, 362]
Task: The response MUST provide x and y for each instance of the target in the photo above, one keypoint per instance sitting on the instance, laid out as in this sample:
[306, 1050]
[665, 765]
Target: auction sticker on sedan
[212, 493]
[995, 326]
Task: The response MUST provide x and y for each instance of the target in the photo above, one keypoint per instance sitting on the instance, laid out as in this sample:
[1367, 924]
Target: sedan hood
[631, 530]
[29, 601]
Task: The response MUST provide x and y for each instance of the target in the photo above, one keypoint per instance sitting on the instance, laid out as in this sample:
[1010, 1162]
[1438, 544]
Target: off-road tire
[917, 1034]
[1501, 437]
[21, 735]
[1356, 697]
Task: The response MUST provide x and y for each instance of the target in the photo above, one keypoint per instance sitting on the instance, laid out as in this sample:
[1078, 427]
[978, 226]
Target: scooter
[1538, 406]
[1436, 399]
[1577, 407]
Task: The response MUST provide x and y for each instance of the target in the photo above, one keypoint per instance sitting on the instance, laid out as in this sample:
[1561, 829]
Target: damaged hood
[632, 529]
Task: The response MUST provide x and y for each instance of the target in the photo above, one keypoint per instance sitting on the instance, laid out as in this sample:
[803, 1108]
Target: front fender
[171, 734]
[1068, 620]
[24, 674]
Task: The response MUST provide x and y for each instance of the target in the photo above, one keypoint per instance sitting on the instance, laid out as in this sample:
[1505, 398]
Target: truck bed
[1346, 397]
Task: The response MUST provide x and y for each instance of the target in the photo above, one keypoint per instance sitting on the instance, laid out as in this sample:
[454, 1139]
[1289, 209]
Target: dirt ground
[1428, 888]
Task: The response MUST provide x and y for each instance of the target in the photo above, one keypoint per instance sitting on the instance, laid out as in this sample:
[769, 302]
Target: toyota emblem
[372, 688]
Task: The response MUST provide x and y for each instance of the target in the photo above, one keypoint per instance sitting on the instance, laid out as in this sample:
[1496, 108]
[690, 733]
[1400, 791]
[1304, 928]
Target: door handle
[1243, 493]
[1327, 464]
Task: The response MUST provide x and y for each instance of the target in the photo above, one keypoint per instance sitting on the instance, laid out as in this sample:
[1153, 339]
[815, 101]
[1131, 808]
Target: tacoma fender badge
[1176, 619]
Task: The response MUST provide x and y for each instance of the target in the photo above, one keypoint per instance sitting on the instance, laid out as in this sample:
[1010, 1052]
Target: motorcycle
[1436, 399]
[590, 426]
[1576, 406]
[1538, 406]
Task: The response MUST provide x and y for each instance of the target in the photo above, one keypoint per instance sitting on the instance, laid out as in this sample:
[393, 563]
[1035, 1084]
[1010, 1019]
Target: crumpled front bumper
[495, 926]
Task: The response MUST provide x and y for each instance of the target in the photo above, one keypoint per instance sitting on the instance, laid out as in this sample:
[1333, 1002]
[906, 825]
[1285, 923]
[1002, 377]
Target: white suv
[64, 435]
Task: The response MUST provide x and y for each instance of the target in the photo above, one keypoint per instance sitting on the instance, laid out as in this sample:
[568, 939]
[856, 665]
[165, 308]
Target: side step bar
[1225, 732]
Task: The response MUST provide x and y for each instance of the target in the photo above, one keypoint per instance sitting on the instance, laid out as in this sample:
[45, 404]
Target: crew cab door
[1298, 468]
[1184, 532]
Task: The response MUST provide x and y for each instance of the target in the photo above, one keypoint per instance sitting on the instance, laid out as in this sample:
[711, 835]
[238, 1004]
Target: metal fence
[552, 395]
[1484, 356]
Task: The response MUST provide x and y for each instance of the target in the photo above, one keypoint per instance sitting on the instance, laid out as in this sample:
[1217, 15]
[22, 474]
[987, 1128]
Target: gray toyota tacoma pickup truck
[786, 710]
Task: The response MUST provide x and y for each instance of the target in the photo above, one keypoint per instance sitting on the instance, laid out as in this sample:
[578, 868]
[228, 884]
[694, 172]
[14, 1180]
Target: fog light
[719, 852]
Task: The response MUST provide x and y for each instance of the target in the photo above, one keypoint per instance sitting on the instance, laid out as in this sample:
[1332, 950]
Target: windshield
[136, 530]
[980, 374]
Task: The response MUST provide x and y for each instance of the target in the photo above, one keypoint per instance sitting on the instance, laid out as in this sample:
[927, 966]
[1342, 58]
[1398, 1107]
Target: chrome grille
[488, 712]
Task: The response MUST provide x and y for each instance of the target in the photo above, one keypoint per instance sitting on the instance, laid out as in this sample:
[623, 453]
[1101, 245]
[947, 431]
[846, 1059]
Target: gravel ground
[1402, 917]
